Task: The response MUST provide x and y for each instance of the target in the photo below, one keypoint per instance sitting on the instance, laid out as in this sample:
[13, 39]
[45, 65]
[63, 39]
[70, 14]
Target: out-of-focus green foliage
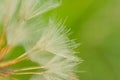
[96, 25]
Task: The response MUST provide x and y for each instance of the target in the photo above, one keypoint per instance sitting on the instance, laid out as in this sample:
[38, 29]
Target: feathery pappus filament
[46, 43]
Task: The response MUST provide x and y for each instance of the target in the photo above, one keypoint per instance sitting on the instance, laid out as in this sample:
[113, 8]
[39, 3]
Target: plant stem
[30, 68]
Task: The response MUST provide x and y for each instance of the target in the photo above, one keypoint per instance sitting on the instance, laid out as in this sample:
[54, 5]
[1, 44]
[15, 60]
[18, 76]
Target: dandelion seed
[57, 69]
[46, 44]
[37, 7]
[54, 40]
[18, 31]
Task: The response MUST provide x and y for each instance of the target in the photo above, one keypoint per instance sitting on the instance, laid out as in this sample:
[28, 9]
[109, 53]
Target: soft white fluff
[54, 41]
[55, 51]
[9, 7]
[33, 8]
[57, 69]
[19, 29]
[16, 33]
[46, 44]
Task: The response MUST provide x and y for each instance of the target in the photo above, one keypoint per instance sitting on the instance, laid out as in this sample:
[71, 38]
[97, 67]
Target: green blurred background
[96, 25]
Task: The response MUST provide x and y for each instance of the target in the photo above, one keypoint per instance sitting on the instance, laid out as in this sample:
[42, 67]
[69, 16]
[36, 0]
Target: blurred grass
[95, 23]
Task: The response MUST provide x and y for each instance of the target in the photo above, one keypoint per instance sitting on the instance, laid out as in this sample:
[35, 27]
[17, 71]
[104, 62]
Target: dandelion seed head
[55, 40]
[46, 43]
[57, 69]
[16, 34]
[41, 56]
[19, 31]
[33, 8]
[10, 6]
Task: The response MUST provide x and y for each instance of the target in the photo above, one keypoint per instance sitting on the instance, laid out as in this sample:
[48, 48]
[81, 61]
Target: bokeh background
[96, 25]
